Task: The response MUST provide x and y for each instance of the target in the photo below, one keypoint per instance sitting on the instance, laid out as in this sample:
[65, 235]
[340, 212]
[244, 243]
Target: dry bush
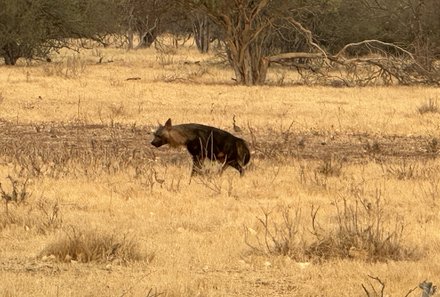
[48, 216]
[275, 143]
[363, 231]
[318, 176]
[330, 166]
[210, 177]
[377, 289]
[92, 245]
[17, 193]
[432, 146]
[431, 106]
[42, 215]
[77, 150]
[117, 110]
[404, 169]
[71, 67]
[183, 74]
[360, 231]
[147, 174]
[165, 58]
[277, 233]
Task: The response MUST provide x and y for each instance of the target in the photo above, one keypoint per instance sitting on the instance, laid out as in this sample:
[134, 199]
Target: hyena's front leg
[235, 165]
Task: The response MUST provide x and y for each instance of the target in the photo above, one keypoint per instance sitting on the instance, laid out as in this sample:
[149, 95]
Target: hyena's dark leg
[235, 165]
[197, 165]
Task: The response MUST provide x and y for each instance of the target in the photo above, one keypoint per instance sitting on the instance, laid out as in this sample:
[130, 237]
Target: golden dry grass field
[343, 183]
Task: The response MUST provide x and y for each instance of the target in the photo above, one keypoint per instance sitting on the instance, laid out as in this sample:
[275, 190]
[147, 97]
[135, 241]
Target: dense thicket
[33, 28]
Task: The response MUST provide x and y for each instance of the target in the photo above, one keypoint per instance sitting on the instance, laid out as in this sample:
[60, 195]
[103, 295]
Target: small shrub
[276, 233]
[403, 170]
[18, 192]
[433, 146]
[72, 67]
[372, 147]
[91, 245]
[330, 166]
[360, 231]
[49, 218]
[363, 232]
[165, 58]
[431, 106]
[42, 216]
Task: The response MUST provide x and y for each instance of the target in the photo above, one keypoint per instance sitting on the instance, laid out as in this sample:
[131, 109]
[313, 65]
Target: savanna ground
[343, 182]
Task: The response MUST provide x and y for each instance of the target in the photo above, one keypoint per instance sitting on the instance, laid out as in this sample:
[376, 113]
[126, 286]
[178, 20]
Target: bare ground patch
[50, 147]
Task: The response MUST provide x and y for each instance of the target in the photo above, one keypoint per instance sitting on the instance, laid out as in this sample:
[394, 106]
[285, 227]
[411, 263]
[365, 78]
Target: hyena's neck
[177, 136]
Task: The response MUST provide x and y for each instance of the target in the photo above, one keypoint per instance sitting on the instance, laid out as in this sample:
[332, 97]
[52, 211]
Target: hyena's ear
[168, 123]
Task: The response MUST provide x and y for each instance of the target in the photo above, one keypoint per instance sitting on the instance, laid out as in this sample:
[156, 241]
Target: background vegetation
[312, 36]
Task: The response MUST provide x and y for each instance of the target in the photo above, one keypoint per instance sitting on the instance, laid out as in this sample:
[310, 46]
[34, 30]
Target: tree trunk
[11, 53]
[130, 37]
[146, 38]
[249, 65]
[202, 33]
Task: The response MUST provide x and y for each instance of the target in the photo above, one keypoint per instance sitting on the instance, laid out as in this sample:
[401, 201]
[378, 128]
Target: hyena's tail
[243, 152]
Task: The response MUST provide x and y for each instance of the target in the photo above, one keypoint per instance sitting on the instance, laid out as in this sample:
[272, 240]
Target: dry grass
[78, 131]
[93, 245]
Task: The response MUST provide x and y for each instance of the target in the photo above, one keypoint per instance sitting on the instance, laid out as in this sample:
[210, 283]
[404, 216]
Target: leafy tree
[32, 28]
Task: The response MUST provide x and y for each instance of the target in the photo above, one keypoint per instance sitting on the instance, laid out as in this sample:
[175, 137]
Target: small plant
[431, 190]
[117, 110]
[433, 146]
[50, 215]
[72, 67]
[362, 232]
[402, 170]
[372, 147]
[428, 288]
[92, 245]
[330, 166]
[165, 58]
[17, 194]
[431, 106]
[278, 232]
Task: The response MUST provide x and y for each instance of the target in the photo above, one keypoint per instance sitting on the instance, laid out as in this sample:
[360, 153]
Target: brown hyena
[204, 142]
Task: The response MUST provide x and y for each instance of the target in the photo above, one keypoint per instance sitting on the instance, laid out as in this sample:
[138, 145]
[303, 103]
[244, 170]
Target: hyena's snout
[157, 141]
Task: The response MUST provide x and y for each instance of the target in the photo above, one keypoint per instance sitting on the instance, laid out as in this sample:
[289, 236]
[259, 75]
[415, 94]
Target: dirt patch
[122, 145]
[347, 146]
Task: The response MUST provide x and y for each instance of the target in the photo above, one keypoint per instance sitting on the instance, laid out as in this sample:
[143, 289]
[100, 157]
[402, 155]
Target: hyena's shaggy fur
[205, 142]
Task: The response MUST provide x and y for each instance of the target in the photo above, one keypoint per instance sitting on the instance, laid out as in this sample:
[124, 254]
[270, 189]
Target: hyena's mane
[175, 136]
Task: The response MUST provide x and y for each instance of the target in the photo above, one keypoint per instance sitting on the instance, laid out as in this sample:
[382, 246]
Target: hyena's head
[162, 135]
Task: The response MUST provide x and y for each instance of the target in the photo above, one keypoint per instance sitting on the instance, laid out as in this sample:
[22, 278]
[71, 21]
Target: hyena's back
[214, 140]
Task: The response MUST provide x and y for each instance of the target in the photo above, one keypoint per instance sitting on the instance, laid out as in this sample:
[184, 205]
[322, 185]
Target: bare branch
[297, 55]
[367, 42]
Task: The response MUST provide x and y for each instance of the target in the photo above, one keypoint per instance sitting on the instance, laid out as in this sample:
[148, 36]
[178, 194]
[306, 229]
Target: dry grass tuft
[72, 67]
[431, 106]
[363, 232]
[92, 245]
[277, 233]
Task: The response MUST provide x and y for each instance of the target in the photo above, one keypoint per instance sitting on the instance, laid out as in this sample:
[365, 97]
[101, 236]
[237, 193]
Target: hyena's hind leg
[197, 165]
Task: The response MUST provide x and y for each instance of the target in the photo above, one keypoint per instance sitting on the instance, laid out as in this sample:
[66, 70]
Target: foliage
[32, 29]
